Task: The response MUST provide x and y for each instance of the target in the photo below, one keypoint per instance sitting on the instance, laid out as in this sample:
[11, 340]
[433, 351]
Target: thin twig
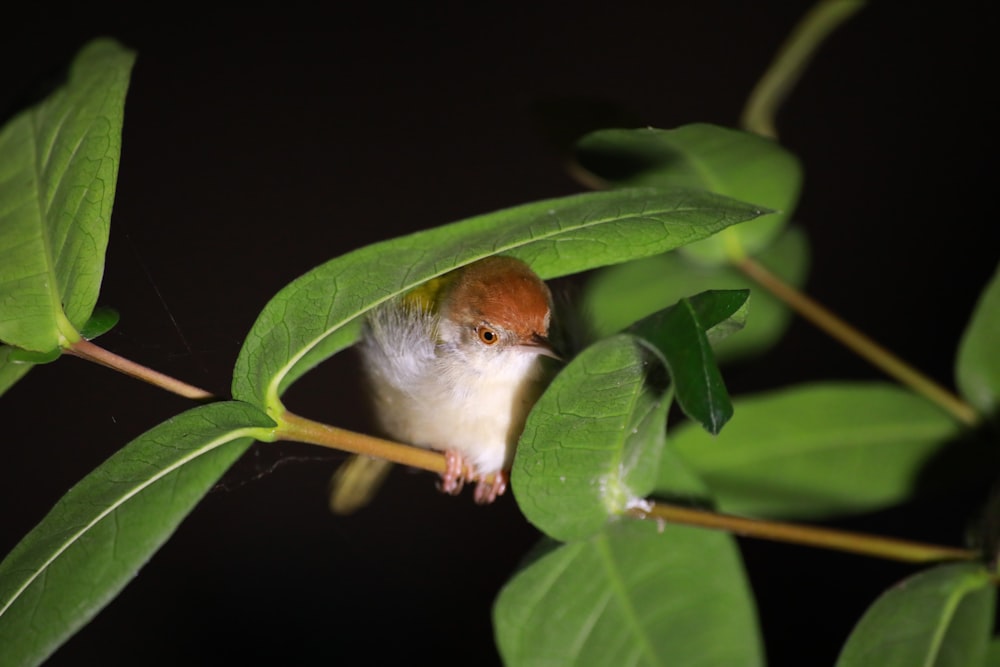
[84, 349]
[293, 427]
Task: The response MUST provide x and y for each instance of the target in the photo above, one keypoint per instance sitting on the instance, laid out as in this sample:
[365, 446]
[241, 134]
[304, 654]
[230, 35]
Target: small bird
[454, 365]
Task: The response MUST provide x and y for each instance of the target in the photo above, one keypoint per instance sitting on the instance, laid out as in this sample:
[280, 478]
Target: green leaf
[589, 448]
[617, 296]
[729, 162]
[19, 356]
[719, 313]
[977, 369]
[677, 482]
[101, 322]
[992, 654]
[632, 596]
[818, 450]
[11, 370]
[106, 527]
[942, 617]
[58, 169]
[318, 314]
[680, 336]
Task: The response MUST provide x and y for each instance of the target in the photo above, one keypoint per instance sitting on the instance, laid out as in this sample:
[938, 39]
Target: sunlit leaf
[631, 595]
[818, 450]
[942, 617]
[105, 528]
[58, 169]
[318, 314]
[737, 164]
[977, 369]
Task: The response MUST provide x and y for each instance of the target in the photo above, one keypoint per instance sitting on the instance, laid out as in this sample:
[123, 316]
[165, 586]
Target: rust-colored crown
[504, 292]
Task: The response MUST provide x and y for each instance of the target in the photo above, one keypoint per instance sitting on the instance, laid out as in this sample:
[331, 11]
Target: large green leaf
[942, 617]
[680, 335]
[737, 164]
[818, 450]
[58, 169]
[319, 313]
[632, 595]
[617, 296]
[101, 532]
[590, 445]
[977, 369]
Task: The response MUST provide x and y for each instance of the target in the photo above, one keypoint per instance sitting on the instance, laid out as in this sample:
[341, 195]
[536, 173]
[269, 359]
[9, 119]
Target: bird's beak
[539, 344]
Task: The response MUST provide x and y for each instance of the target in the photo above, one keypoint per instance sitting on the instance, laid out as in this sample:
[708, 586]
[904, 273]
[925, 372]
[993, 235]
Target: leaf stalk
[84, 349]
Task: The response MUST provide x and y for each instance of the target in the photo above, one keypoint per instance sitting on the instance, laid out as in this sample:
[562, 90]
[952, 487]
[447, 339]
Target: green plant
[203, 442]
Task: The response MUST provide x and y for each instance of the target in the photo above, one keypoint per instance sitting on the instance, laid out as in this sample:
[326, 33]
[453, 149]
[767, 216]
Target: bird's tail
[356, 482]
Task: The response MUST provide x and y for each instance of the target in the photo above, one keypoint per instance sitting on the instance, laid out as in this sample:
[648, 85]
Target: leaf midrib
[160, 474]
[40, 164]
[948, 613]
[620, 592]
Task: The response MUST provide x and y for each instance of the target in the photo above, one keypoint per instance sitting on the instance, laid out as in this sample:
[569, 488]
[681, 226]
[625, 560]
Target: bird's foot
[453, 478]
[490, 487]
[457, 472]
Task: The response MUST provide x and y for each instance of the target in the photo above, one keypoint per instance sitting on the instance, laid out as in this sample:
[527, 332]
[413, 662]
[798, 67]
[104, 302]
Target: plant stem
[858, 342]
[791, 60]
[300, 429]
[828, 538]
[84, 349]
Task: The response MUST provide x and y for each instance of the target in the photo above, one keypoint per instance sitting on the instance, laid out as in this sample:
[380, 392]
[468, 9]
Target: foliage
[603, 583]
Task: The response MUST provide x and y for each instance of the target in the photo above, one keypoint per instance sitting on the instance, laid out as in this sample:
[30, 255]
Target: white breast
[433, 396]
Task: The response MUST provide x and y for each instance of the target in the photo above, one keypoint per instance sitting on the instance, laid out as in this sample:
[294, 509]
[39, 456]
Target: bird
[454, 365]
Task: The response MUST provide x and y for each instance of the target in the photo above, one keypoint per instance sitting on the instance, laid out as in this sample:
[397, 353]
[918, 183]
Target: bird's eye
[487, 336]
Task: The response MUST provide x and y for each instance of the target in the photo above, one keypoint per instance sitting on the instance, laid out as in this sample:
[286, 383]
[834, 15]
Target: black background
[260, 143]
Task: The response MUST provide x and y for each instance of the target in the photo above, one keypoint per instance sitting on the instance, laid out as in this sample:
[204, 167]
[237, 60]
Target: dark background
[258, 144]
